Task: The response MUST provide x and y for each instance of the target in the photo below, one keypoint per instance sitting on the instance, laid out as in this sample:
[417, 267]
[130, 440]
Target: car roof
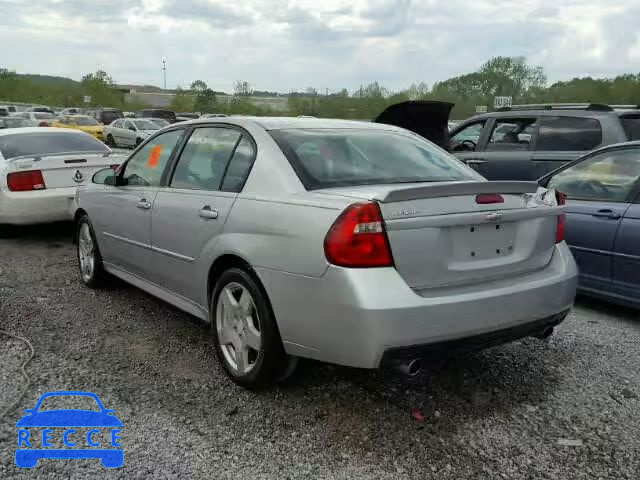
[283, 123]
[26, 130]
[546, 113]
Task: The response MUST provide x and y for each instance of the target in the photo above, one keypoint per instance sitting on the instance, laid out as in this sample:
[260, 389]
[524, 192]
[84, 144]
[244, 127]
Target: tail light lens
[561, 199]
[358, 239]
[43, 124]
[489, 198]
[25, 181]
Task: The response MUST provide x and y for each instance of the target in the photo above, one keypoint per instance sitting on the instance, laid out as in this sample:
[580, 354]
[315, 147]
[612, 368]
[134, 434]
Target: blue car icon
[67, 419]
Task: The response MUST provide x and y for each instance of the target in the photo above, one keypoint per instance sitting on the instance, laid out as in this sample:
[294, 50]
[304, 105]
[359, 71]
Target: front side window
[325, 158]
[466, 140]
[608, 176]
[568, 134]
[146, 166]
[512, 134]
[204, 158]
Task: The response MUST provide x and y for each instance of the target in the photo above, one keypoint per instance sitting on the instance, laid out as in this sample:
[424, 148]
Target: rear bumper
[354, 316]
[394, 356]
[40, 206]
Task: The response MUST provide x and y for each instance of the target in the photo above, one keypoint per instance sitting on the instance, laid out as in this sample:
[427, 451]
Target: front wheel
[244, 329]
[89, 258]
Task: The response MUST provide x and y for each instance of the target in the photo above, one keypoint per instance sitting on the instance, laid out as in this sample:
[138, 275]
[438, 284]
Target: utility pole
[164, 71]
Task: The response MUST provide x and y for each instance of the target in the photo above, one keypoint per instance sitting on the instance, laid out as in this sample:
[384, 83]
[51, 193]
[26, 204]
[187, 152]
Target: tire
[110, 141]
[89, 259]
[246, 325]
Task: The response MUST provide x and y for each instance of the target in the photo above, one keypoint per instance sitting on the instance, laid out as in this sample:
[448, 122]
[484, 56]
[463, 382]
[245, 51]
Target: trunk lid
[66, 170]
[429, 119]
[440, 235]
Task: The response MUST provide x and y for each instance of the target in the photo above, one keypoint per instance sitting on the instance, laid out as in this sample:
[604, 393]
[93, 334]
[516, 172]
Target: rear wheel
[89, 258]
[110, 141]
[244, 329]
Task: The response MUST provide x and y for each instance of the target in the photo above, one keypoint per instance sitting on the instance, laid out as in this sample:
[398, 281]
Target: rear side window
[568, 134]
[631, 125]
[204, 158]
[239, 167]
[512, 134]
[18, 145]
[325, 158]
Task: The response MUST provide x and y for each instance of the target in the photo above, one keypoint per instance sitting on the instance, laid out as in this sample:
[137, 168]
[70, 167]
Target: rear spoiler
[458, 188]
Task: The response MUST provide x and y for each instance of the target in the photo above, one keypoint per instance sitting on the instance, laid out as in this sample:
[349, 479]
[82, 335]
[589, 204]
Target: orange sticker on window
[154, 156]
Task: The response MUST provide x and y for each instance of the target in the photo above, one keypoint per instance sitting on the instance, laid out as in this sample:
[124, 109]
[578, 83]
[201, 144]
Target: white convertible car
[40, 168]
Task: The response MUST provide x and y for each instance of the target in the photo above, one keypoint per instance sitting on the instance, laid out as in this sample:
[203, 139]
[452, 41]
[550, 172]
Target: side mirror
[107, 176]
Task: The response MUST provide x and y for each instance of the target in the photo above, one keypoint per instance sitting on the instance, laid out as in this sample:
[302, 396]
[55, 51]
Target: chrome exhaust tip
[410, 368]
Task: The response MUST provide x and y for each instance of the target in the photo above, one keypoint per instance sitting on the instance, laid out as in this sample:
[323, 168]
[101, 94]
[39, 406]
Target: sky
[284, 45]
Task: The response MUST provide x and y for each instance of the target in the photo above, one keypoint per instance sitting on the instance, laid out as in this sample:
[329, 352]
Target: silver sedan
[355, 243]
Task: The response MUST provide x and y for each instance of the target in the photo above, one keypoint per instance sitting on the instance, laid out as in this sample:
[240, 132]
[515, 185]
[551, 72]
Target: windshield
[41, 116]
[22, 144]
[109, 116]
[160, 122]
[342, 157]
[146, 125]
[86, 122]
[73, 402]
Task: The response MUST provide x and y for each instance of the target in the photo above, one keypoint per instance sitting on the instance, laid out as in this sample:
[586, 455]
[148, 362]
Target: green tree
[183, 101]
[242, 88]
[102, 89]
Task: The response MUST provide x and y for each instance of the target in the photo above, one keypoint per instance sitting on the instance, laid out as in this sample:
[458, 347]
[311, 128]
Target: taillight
[25, 181]
[489, 198]
[358, 239]
[561, 199]
[43, 124]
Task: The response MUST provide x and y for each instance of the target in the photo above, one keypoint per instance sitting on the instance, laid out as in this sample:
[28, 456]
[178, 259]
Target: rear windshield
[86, 122]
[325, 158]
[22, 144]
[109, 116]
[631, 125]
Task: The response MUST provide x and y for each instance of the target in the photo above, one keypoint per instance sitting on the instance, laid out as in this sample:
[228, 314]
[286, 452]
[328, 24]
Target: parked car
[129, 132]
[81, 122]
[527, 142]
[603, 220]
[41, 167]
[41, 109]
[16, 122]
[157, 113]
[347, 242]
[71, 111]
[161, 122]
[6, 110]
[40, 119]
[105, 115]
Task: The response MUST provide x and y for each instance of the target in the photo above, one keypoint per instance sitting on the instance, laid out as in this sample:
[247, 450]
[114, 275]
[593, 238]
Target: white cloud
[292, 44]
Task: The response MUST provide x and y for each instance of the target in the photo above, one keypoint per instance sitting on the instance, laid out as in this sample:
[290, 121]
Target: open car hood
[427, 118]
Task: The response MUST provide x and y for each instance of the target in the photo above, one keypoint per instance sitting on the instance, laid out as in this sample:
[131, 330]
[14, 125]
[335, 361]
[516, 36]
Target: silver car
[354, 243]
[128, 132]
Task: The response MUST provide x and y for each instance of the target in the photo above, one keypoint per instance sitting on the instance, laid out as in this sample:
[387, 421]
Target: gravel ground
[564, 408]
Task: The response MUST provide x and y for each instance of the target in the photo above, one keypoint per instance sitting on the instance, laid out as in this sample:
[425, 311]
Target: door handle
[606, 213]
[143, 204]
[208, 213]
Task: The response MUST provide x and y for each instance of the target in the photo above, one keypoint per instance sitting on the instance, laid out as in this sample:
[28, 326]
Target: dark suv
[525, 142]
[168, 115]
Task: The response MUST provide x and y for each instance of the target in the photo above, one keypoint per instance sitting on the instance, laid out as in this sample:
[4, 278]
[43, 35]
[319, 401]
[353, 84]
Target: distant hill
[49, 80]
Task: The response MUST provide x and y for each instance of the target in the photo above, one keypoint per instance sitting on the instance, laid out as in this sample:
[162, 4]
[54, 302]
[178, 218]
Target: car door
[115, 128]
[191, 213]
[126, 210]
[598, 190]
[467, 141]
[626, 253]
[129, 133]
[507, 152]
[562, 139]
